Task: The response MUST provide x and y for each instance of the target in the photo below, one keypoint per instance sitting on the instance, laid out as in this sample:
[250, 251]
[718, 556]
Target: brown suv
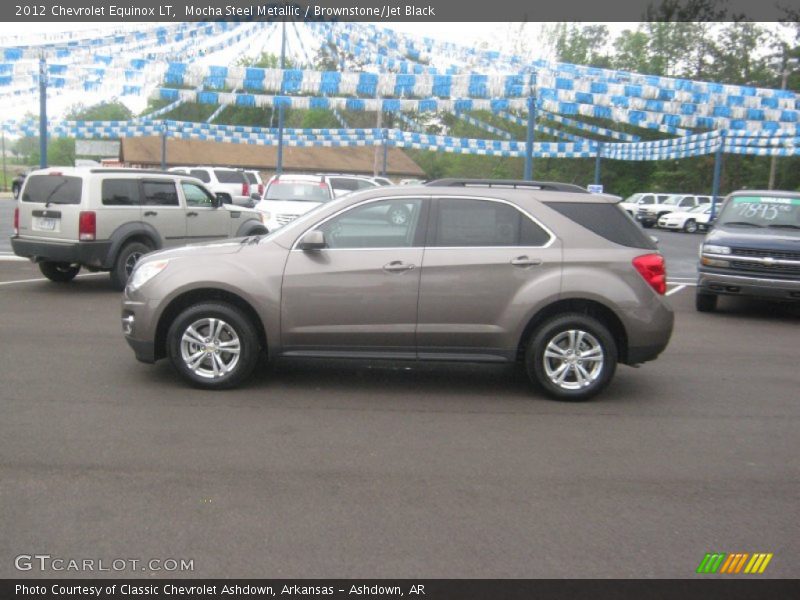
[562, 281]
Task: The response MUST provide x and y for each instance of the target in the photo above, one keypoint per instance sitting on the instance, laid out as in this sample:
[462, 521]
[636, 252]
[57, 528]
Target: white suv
[649, 214]
[631, 204]
[232, 183]
[106, 219]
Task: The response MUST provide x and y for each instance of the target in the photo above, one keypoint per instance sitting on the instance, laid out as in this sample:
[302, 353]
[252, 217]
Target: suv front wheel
[213, 345]
[572, 357]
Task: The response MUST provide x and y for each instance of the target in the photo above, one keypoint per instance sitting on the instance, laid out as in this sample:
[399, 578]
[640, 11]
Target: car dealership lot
[332, 470]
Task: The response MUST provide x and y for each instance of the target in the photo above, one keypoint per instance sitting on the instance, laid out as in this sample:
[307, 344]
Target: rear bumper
[90, 254]
[714, 282]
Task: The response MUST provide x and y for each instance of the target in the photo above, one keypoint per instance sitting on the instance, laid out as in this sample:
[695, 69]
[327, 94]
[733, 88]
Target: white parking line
[45, 279]
[675, 290]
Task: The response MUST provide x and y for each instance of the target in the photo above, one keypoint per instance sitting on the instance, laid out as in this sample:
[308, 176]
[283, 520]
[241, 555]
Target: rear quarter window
[53, 189]
[230, 176]
[121, 192]
[608, 221]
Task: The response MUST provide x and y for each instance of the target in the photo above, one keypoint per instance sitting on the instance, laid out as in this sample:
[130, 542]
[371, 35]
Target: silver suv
[106, 219]
[563, 282]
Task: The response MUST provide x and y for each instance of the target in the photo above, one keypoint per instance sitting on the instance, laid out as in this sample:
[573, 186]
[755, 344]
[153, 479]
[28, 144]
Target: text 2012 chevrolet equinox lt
[561, 281]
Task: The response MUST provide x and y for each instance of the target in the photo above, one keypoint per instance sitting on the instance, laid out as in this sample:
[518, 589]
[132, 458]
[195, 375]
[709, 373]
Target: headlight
[145, 272]
[712, 249]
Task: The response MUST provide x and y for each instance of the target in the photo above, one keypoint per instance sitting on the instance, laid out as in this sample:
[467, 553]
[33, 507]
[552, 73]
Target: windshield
[633, 199]
[761, 211]
[700, 209]
[298, 191]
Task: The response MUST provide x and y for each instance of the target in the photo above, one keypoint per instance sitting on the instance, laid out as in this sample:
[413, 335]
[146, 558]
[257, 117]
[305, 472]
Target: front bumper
[713, 281]
[90, 254]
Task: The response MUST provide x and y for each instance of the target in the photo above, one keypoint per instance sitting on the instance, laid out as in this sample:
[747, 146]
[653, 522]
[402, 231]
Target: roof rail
[550, 186]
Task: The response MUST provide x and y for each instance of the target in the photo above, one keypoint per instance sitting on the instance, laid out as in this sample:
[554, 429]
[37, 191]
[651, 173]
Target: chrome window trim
[430, 197]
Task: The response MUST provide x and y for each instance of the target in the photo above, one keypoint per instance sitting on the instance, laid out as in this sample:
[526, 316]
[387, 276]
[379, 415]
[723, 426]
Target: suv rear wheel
[59, 272]
[213, 345]
[126, 261]
[572, 357]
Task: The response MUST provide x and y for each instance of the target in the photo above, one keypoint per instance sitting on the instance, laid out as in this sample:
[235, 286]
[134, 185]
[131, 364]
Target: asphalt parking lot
[338, 470]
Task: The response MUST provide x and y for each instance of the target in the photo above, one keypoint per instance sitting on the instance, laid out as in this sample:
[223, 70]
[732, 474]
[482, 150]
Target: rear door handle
[524, 261]
[191, 214]
[150, 213]
[397, 266]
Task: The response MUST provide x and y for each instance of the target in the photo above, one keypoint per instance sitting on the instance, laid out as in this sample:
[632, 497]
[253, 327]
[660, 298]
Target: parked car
[753, 249]
[107, 219]
[255, 181]
[382, 180]
[649, 214]
[632, 203]
[16, 183]
[345, 184]
[231, 183]
[565, 283]
[288, 196]
[693, 220]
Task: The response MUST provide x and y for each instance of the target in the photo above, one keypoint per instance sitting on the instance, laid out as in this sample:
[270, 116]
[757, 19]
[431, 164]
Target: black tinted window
[606, 220]
[55, 189]
[160, 193]
[230, 176]
[339, 183]
[464, 222]
[120, 192]
[201, 175]
[251, 178]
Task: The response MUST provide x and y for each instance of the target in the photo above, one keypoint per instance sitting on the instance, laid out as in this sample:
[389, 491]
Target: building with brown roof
[146, 152]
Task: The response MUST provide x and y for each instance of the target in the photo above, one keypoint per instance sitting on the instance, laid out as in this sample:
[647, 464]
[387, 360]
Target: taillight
[16, 221]
[654, 271]
[87, 225]
[245, 189]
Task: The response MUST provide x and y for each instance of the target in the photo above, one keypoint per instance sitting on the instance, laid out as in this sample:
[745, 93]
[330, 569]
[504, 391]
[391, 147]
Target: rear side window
[160, 193]
[201, 175]
[53, 189]
[121, 192]
[251, 178]
[230, 176]
[606, 220]
[462, 222]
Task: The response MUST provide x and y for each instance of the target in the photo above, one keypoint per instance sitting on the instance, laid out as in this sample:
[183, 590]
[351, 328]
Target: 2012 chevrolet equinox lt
[563, 281]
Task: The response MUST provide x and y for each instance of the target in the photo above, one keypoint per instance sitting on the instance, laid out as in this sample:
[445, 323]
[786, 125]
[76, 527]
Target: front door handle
[397, 266]
[191, 214]
[150, 213]
[524, 261]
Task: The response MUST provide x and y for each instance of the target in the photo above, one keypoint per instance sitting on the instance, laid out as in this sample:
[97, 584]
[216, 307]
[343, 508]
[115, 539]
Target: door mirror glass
[313, 240]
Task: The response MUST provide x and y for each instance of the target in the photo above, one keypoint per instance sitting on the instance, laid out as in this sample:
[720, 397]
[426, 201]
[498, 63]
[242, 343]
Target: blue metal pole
[164, 147]
[385, 151]
[42, 112]
[597, 160]
[529, 140]
[717, 172]
[279, 161]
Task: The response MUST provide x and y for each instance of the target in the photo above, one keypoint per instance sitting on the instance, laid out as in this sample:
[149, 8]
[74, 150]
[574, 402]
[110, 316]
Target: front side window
[381, 224]
[196, 196]
[688, 201]
[463, 222]
[120, 192]
[160, 193]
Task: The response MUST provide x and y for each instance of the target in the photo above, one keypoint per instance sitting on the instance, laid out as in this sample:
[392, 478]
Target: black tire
[126, 260]
[15, 190]
[59, 272]
[647, 224]
[237, 322]
[597, 340]
[705, 302]
[690, 226]
[398, 215]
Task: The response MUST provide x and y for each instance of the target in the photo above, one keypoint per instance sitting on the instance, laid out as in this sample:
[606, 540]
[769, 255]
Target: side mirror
[313, 240]
[223, 198]
[216, 202]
